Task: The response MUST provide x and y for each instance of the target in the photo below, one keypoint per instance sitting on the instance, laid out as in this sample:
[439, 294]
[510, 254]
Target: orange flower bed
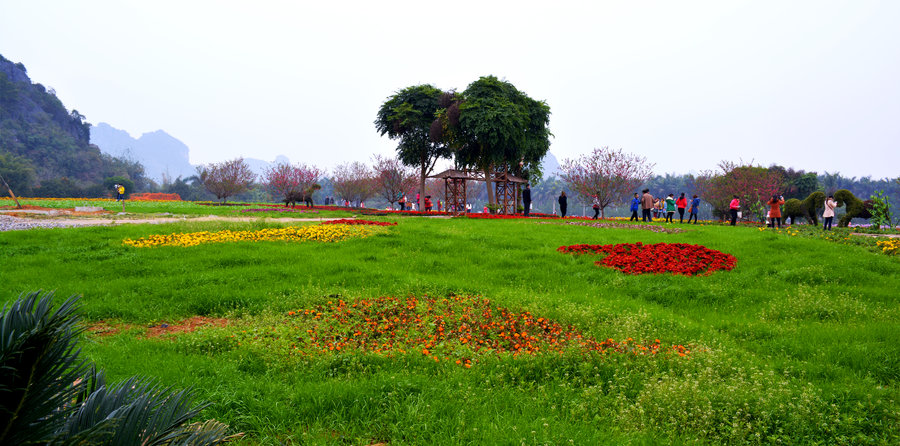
[155, 196]
[458, 329]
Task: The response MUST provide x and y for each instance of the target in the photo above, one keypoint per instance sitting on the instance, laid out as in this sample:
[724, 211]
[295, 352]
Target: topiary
[855, 207]
[811, 206]
[793, 208]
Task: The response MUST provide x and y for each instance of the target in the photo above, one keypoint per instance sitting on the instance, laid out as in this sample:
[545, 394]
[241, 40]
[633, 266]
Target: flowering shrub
[330, 233]
[458, 329]
[675, 258]
[350, 221]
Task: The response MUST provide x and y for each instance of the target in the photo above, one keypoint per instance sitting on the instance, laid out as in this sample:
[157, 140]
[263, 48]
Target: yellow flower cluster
[318, 233]
[891, 246]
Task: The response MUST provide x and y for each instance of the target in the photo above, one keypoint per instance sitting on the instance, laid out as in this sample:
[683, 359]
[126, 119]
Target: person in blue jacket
[635, 205]
[695, 208]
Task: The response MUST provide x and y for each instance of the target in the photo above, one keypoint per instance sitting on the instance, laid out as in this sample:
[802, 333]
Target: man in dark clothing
[646, 205]
[635, 205]
[526, 198]
[563, 203]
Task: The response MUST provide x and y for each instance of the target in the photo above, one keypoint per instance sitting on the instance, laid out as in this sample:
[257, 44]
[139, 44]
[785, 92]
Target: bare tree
[226, 179]
[354, 182]
[607, 175]
[393, 179]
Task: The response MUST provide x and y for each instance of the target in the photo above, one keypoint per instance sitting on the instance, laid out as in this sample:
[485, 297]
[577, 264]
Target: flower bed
[675, 258]
[456, 329]
[300, 211]
[408, 213]
[520, 216]
[318, 233]
[615, 225]
[155, 196]
[350, 221]
[889, 247]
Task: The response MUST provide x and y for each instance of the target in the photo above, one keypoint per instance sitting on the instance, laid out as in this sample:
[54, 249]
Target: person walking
[402, 202]
[670, 208]
[775, 210]
[635, 205]
[646, 205]
[829, 213]
[695, 209]
[563, 204]
[681, 202]
[526, 198]
[596, 206]
[734, 207]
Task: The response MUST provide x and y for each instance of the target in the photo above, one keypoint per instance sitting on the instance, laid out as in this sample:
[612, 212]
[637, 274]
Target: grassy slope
[801, 340]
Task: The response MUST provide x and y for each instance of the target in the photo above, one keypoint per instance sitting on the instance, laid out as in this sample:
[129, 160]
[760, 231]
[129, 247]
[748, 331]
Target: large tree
[226, 179]
[497, 127]
[607, 175]
[288, 180]
[354, 182]
[392, 178]
[407, 116]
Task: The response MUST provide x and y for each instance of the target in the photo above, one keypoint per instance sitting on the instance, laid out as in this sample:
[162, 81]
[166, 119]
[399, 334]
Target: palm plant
[49, 395]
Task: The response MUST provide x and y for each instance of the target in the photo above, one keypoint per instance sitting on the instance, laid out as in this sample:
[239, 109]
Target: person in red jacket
[428, 203]
[775, 210]
[681, 203]
[735, 206]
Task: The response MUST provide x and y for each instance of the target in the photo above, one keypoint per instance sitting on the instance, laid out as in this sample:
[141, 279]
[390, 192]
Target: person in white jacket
[829, 212]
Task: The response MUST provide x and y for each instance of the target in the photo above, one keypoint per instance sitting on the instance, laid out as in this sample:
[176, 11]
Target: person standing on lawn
[596, 206]
[681, 202]
[695, 209]
[775, 210]
[829, 213]
[646, 205]
[526, 198]
[635, 205]
[734, 207]
[563, 204]
[670, 208]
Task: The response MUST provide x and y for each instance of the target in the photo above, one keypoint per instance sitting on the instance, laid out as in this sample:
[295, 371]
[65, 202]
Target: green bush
[53, 396]
[855, 208]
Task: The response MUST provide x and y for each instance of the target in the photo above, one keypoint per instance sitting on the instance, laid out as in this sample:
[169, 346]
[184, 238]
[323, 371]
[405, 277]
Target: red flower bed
[456, 329]
[396, 212]
[155, 196]
[675, 258]
[350, 221]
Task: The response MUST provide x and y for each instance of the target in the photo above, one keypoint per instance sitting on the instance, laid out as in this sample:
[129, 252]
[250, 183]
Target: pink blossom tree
[393, 179]
[607, 175]
[354, 182]
[226, 179]
[286, 180]
[754, 185]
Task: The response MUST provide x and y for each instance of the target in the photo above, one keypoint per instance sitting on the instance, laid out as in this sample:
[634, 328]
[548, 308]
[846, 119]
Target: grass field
[799, 344]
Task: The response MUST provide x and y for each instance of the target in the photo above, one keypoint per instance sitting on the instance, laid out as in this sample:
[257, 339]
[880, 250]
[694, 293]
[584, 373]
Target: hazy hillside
[45, 149]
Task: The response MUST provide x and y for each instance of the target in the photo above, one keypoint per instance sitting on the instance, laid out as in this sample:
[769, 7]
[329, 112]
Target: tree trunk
[492, 199]
[602, 211]
[424, 173]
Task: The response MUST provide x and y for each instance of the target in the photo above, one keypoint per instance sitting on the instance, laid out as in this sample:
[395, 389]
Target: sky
[813, 85]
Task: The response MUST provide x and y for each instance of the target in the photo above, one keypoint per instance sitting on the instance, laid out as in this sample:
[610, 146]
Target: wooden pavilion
[506, 187]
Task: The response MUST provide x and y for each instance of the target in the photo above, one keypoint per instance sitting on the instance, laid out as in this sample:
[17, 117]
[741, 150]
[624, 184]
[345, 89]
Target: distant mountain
[550, 165]
[161, 154]
[45, 150]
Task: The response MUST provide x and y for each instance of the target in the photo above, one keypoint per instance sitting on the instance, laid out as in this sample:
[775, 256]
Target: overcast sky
[810, 84]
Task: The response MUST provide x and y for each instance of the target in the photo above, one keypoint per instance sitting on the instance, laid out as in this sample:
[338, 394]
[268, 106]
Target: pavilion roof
[475, 175]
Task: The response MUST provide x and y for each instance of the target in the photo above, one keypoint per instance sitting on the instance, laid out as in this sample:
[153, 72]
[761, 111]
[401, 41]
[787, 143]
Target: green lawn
[798, 344]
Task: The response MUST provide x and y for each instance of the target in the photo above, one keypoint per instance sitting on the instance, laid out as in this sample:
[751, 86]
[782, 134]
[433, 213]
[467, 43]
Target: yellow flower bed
[318, 233]
[891, 246]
